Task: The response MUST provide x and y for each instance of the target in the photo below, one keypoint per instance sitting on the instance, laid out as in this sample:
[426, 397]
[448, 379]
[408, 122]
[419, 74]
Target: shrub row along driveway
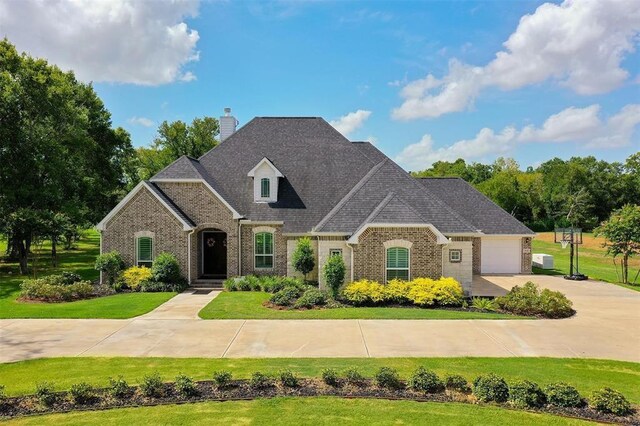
[604, 327]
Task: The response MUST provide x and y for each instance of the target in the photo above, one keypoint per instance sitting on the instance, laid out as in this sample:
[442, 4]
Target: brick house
[240, 209]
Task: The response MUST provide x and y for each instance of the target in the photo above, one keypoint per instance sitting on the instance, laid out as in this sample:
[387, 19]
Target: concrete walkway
[605, 327]
[183, 306]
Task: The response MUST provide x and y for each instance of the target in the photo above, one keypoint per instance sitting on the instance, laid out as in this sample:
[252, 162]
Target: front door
[214, 254]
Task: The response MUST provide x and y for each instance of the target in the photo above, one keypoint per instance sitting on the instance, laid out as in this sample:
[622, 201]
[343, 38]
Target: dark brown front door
[214, 254]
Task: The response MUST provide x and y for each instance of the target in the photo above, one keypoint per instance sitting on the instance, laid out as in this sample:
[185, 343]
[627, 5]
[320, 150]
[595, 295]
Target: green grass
[249, 305]
[79, 260]
[317, 411]
[586, 375]
[593, 261]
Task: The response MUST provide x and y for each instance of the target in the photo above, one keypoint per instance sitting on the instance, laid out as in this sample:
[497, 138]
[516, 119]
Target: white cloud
[580, 43]
[123, 41]
[141, 121]
[580, 125]
[351, 121]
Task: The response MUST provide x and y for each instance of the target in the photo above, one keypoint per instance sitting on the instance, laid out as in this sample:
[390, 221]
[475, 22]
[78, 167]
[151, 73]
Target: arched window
[263, 250]
[144, 251]
[397, 263]
[265, 188]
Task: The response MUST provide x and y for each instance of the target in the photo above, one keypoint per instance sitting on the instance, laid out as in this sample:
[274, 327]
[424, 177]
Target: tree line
[581, 191]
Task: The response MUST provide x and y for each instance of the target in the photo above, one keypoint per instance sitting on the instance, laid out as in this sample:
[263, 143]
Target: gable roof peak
[268, 162]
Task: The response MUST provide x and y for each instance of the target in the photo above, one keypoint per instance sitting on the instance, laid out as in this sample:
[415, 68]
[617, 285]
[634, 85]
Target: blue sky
[572, 65]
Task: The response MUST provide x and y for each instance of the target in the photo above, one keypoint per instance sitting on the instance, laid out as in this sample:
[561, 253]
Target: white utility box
[541, 260]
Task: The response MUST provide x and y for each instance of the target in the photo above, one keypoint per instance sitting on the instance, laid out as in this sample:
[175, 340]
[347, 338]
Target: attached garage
[500, 256]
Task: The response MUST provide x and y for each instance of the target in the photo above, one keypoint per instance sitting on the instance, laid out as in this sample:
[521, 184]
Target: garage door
[500, 256]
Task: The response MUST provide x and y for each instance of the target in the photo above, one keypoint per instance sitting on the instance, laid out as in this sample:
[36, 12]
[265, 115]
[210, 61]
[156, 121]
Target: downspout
[350, 261]
[189, 253]
[100, 231]
[239, 248]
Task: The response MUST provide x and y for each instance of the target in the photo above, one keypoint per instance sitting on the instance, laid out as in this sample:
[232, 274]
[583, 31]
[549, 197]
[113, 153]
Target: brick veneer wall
[145, 213]
[280, 252]
[527, 256]
[476, 247]
[369, 254]
[207, 212]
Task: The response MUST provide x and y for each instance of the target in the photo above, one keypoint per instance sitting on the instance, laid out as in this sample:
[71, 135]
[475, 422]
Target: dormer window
[265, 181]
[265, 188]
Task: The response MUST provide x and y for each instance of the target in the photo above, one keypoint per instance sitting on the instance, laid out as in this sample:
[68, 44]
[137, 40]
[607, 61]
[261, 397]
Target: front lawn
[586, 375]
[317, 411]
[79, 260]
[249, 305]
[593, 261]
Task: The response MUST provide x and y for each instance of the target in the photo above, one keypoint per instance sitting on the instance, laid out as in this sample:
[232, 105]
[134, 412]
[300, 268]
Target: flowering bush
[428, 292]
[397, 291]
[420, 291]
[135, 276]
[364, 292]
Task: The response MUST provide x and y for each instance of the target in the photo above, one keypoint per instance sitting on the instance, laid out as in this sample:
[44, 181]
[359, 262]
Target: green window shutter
[265, 188]
[145, 249]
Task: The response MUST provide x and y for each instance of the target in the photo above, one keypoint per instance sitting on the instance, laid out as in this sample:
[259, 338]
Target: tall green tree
[622, 236]
[303, 259]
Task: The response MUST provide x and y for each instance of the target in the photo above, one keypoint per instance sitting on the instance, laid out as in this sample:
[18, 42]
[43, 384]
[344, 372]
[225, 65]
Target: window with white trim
[335, 252]
[144, 251]
[263, 250]
[397, 263]
[265, 188]
[455, 256]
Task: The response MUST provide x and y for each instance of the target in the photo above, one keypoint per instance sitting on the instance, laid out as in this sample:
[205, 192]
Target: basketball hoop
[564, 244]
[571, 237]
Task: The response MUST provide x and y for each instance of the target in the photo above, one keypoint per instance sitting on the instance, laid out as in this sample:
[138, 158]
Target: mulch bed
[241, 390]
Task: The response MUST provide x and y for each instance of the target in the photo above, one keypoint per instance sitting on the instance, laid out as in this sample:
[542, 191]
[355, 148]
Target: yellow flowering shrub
[397, 291]
[428, 292]
[135, 276]
[364, 292]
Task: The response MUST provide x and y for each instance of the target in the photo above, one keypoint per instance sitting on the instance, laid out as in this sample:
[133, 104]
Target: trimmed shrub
[231, 284]
[364, 292]
[303, 259]
[185, 386]
[45, 393]
[310, 298]
[330, 376]
[334, 271]
[285, 297]
[490, 388]
[68, 278]
[457, 383]
[166, 268]
[288, 379]
[152, 385]
[427, 381]
[82, 393]
[271, 284]
[529, 300]
[50, 289]
[353, 377]
[118, 388]
[563, 395]
[260, 381]
[397, 291]
[428, 292]
[526, 394]
[110, 264]
[607, 400]
[483, 304]
[135, 276]
[222, 379]
[388, 377]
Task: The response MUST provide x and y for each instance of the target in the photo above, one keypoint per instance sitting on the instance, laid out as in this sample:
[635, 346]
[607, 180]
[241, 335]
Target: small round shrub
[563, 395]
[490, 388]
[110, 264]
[260, 381]
[68, 278]
[45, 393]
[457, 383]
[230, 284]
[334, 271]
[389, 378]
[166, 268]
[82, 393]
[285, 297]
[222, 379]
[526, 394]
[529, 300]
[252, 283]
[118, 388]
[310, 298]
[607, 400]
[288, 379]
[354, 377]
[554, 304]
[483, 304]
[152, 386]
[135, 276]
[364, 292]
[426, 381]
[330, 376]
[185, 386]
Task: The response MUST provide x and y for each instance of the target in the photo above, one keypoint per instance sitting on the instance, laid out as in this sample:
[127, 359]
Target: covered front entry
[213, 251]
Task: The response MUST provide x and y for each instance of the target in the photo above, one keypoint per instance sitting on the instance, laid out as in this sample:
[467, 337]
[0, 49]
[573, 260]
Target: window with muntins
[145, 251]
[335, 252]
[397, 263]
[264, 250]
[455, 256]
[265, 188]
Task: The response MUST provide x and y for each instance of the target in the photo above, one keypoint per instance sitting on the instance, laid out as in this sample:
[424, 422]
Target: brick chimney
[228, 124]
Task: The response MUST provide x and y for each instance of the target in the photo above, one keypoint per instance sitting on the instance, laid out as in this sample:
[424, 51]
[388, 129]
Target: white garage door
[500, 256]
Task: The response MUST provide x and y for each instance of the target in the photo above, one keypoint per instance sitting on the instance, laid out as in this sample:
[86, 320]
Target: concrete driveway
[606, 326]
